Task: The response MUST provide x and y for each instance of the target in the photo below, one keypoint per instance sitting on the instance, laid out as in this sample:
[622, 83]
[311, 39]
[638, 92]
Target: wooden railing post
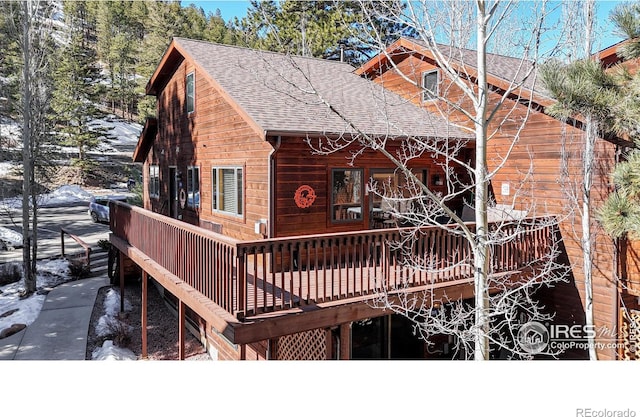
[242, 284]
[62, 241]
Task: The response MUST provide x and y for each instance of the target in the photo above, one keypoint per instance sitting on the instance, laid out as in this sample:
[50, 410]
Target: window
[193, 187]
[430, 85]
[227, 190]
[346, 198]
[190, 89]
[154, 181]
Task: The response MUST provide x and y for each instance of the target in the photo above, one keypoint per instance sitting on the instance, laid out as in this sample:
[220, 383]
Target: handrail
[85, 246]
[201, 258]
[248, 278]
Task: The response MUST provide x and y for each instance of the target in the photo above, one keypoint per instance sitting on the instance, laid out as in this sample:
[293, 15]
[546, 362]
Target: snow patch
[10, 238]
[7, 168]
[111, 310]
[109, 351]
[50, 273]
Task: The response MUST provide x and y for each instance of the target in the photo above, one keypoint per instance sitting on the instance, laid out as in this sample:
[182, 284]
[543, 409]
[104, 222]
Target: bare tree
[32, 36]
[578, 78]
[458, 36]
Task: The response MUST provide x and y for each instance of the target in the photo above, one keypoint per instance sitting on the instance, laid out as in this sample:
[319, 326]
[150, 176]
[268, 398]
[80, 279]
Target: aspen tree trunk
[29, 277]
[588, 162]
[481, 250]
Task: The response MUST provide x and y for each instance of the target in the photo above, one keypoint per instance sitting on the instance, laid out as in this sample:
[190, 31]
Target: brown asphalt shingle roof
[503, 67]
[284, 94]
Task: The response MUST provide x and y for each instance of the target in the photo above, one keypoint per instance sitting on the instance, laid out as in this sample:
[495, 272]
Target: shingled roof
[502, 70]
[287, 95]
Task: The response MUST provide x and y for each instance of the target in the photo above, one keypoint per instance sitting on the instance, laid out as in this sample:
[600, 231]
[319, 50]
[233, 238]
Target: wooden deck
[267, 278]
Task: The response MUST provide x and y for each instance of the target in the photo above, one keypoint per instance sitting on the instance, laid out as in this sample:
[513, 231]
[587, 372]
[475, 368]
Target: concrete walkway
[61, 329]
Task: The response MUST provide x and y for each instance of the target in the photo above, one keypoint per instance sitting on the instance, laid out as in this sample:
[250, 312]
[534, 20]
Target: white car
[99, 207]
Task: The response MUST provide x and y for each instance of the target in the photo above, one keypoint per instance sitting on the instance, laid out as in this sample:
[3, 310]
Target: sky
[228, 8]
[238, 8]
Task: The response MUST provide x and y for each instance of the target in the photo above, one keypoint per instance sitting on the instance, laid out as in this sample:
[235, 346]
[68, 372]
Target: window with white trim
[154, 181]
[190, 89]
[430, 89]
[227, 190]
[193, 187]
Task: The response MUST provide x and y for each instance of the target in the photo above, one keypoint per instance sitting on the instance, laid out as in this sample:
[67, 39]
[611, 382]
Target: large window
[346, 194]
[154, 181]
[227, 190]
[193, 187]
[430, 85]
[190, 93]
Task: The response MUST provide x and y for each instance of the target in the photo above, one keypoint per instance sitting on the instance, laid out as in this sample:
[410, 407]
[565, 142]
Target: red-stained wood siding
[214, 135]
[297, 166]
[538, 181]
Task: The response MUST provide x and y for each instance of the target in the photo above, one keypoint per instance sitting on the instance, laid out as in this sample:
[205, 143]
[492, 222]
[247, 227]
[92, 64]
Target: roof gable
[502, 71]
[287, 95]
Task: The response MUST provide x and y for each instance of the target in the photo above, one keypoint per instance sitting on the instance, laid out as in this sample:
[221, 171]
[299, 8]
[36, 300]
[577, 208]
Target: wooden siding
[297, 166]
[214, 135]
[535, 174]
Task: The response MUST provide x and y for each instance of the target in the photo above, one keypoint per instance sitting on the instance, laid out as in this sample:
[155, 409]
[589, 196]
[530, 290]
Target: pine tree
[620, 213]
[76, 90]
[337, 30]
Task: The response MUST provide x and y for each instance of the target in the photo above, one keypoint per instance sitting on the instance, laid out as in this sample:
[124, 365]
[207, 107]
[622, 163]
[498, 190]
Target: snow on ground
[118, 132]
[10, 130]
[111, 310]
[62, 196]
[7, 168]
[110, 352]
[109, 319]
[50, 273]
[10, 238]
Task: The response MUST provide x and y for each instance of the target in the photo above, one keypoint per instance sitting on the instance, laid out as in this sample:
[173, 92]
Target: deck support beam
[121, 273]
[273, 349]
[345, 341]
[181, 329]
[143, 319]
[328, 340]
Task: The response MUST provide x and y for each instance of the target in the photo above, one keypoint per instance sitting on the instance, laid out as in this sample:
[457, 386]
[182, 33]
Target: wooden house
[269, 249]
[537, 170]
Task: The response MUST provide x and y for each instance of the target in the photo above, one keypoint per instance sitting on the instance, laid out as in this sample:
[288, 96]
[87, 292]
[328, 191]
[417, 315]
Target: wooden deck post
[143, 319]
[121, 271]
[62, 241]
[273, 349]
[181, 329]
[328, 340]
[345, 341]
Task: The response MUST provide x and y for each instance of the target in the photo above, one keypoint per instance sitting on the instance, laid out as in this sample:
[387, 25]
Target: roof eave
[146, 140]
[165, 69]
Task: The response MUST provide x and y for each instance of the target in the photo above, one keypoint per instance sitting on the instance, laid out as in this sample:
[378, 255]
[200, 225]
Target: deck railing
[204, 260]
[247, 278]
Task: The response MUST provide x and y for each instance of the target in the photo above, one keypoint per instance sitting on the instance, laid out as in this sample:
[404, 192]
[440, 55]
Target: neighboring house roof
[609, 56]
[502, 70]
[280, 94]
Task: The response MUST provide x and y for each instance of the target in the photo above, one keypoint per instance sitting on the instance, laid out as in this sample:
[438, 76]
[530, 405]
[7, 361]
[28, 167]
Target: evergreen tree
[76, 90]
[310, 28]
[119, 31]
[620, 213]
[348, 30]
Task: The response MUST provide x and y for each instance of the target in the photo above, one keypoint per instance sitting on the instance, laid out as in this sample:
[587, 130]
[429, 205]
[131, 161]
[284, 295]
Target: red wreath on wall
[305, 196]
